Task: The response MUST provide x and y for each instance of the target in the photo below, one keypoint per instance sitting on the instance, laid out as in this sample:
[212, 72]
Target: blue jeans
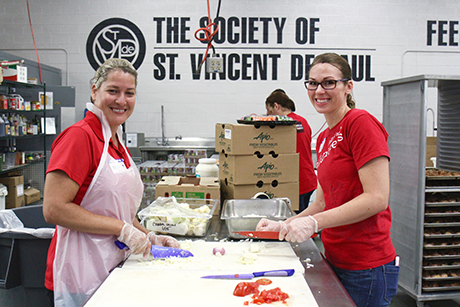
[370, 288]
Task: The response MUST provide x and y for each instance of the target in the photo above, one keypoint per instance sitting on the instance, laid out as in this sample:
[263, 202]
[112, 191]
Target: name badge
[117, 165]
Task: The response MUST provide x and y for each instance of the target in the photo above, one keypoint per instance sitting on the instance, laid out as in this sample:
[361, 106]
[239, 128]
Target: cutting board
[177, 283]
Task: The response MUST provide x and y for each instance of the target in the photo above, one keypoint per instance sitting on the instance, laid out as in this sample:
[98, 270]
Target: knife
[252, 275]
[161, 251]
[259, 234]
[262, 234]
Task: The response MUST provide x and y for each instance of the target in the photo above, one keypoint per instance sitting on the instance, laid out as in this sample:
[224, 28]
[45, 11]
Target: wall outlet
[214, 64]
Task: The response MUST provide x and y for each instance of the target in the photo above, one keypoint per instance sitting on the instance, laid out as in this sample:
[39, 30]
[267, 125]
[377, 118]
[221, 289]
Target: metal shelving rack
[404, 117]
[34, 171]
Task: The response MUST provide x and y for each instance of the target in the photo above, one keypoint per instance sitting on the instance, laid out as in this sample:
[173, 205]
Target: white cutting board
[151, 282]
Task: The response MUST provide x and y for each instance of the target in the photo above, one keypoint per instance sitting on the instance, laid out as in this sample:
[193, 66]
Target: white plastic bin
[3, 193]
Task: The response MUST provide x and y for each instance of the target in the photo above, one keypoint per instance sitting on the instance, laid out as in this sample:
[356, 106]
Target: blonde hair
[109, 65]
[341, 64]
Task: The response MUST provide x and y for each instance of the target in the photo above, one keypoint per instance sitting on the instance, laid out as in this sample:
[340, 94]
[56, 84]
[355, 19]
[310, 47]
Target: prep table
[181, 283]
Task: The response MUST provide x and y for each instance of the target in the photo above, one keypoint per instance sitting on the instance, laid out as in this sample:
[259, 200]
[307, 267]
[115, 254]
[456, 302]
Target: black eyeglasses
[326, 84]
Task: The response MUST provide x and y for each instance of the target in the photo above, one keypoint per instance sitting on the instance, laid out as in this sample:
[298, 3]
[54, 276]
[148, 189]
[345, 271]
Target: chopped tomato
[244, 288]
[263, 281]
[269, 296]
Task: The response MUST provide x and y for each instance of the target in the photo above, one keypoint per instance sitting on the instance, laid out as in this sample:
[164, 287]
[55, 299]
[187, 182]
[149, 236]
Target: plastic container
[189, 217]
[23, 256]
[207, 167]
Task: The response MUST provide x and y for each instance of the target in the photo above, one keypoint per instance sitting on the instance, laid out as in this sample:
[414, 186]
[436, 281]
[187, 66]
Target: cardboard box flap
[31, 191]
[189, 181]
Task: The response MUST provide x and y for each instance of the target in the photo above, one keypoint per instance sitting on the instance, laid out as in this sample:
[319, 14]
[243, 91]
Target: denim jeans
[370, 288]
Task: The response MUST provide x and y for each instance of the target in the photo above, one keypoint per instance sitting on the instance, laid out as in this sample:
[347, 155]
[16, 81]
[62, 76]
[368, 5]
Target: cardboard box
[289, 190]
[253, 168]
[31, 195]
[430, 149]
[15, 186]
[241, 139]
[15, 73]
[189, 187]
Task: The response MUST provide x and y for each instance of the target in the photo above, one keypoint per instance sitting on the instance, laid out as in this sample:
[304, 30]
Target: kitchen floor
[402, 299]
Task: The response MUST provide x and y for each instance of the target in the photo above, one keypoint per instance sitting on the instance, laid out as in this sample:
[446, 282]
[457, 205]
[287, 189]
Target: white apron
[83, 260]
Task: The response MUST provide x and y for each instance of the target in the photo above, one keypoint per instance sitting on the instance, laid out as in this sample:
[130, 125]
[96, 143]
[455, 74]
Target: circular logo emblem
[115, 38]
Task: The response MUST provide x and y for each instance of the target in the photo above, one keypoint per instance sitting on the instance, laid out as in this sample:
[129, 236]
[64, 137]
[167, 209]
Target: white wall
[392, 34]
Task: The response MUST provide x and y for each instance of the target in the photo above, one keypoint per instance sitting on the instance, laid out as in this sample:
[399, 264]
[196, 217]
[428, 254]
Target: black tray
[267, 122]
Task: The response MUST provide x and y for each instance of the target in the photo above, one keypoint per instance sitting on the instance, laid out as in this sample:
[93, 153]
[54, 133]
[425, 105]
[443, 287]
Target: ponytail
[350, 102]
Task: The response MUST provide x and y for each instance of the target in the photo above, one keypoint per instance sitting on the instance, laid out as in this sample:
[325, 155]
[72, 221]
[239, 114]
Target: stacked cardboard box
[15, 186]
[258, 159]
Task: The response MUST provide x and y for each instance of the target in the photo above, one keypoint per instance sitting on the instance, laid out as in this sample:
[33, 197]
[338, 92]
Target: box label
[194, 195]
[177, 194]
[172, 228]
[228, 134]
[19, 190]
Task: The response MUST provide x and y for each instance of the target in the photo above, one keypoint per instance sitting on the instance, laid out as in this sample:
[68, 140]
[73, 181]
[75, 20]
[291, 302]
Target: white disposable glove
[162, 240]
[269, 225]
[299, 229]
[135, 239]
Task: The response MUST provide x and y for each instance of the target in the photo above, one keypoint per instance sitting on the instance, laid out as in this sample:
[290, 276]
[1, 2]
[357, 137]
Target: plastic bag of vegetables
[185, 217]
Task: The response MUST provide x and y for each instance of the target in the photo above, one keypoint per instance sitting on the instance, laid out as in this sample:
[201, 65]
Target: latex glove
[162, 240]
[269, 225]
[299, 229]
[135, 239]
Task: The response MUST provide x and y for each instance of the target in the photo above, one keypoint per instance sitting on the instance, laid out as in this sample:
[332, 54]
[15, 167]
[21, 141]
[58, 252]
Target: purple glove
[299, 229]
[162, 240]
[135, 239]
[269, 225]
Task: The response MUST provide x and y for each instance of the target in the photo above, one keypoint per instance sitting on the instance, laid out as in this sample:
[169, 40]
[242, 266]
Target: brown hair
[280, 97]
[341, 64]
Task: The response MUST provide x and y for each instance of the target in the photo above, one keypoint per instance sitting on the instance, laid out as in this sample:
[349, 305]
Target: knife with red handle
[262, 234]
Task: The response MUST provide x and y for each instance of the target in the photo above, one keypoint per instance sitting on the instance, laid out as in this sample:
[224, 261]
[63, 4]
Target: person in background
[93, 190]
[278, 103]
[351, 205]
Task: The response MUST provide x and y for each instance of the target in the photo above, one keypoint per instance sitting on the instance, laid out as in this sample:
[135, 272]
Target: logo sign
[115, 38]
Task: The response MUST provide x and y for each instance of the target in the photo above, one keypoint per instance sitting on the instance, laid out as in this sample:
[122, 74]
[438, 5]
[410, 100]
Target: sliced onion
[218, 251]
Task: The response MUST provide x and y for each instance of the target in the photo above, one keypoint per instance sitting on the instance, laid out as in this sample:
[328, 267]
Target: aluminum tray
[434, 178]
[443, 214]
[442, 236]
[442, 204]
[452, 224]
[441, 267]
[437, 289]
[244, 214]
[442, 257]
[448, 278]
[440, 246]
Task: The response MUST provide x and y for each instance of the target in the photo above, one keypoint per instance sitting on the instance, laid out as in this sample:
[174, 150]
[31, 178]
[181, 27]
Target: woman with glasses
[279, 103]
[351, 205]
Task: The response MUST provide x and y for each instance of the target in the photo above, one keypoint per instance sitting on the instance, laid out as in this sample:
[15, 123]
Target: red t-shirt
[307, 176]
[77, 152]
[342, 151]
